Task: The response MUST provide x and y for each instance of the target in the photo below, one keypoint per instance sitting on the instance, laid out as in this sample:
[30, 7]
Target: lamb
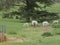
[55, 22]
[26, 24]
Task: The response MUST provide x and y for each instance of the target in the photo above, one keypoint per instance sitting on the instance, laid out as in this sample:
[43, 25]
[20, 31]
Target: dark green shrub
[47, 34]
[56, 25]
[12, 33]
[58, 33]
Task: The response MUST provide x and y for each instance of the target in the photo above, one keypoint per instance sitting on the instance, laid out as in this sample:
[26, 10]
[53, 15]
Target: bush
[56, 25]
[47, 34]
[58, 33]
[12, 33]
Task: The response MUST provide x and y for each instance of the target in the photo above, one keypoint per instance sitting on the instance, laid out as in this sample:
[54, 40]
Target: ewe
[34, 23]
[45, 24]
[55, 21]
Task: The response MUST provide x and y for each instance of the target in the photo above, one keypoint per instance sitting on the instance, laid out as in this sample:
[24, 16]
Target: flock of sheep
[34, 23]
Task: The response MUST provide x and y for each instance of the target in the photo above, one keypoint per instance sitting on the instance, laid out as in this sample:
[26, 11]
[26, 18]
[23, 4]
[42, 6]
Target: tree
[6, 4]
[32, 9]
[29, 12]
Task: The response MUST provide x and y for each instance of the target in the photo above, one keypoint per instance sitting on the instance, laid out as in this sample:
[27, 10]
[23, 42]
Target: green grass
[32, 35]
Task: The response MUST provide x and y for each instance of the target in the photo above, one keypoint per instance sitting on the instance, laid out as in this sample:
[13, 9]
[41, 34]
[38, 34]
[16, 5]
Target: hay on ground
[3, 37]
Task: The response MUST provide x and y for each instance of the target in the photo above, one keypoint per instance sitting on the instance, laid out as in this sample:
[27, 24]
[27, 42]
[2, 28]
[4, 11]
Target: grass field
[33, 36]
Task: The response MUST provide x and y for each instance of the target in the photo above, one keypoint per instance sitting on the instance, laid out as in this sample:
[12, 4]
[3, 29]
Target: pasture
[32, 36]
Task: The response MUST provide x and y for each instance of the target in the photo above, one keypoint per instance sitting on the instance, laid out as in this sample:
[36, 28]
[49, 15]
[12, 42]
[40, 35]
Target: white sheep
[56, 21]
[45, 23]
[26, 25]
[34, 23]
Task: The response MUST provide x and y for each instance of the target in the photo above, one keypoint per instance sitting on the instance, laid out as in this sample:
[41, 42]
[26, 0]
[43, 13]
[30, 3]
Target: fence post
[3, 28]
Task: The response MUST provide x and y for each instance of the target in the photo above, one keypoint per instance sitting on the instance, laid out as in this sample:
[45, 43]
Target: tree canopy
[32, 9]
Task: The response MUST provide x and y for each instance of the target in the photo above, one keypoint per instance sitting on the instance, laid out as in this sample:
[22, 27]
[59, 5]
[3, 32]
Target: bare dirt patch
[4, 38]
[42, 28]
[15, 40]
[47, 28]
